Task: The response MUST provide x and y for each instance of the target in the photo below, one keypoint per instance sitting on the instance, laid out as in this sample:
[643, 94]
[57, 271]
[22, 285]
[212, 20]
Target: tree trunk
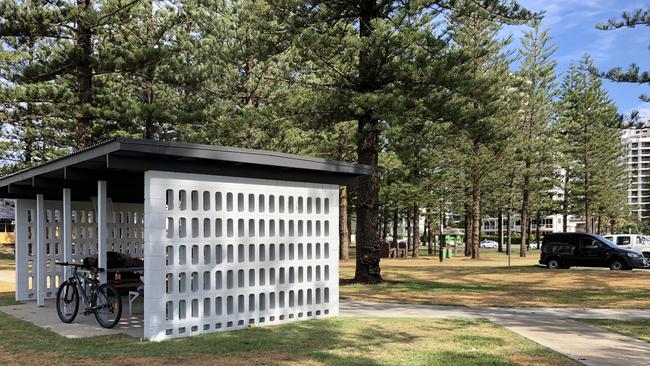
[468, 231]
[344, 230]
[509, 231]
[83, 129]
[599, 227]
[416, 230]
[500, 228]
[395, 226]
[588, 223]
[384, 233]
[476, 219]
[565, 202]
[524, 214]
[612, 226]
[538, 229]
[430, 250]
[408, 230]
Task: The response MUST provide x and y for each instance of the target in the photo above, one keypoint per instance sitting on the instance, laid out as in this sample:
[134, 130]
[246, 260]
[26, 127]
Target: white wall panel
[224, 253]
[126, 235]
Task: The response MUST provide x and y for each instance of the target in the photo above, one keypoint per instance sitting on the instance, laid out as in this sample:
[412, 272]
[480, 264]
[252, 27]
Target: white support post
[67, 230]
[102, 228]
[40, 250]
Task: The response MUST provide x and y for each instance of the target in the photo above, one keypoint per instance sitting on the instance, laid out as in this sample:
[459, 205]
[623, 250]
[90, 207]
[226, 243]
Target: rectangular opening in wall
[169, 255]
[206, 201]
[262, 302]
[317, 205]
[291, 252]
[229, 202]
[271, 252]
[282, 273]
[206, 228]
[271, 228]
[218, 201]
[229, 279]
[229, 305]
[262, 253]
[262, 277]
[182, 200]
[218, 280]
[281, 204]
[240, 304]
[262, 229]
[169, 311]
[272, 300]
[240, 253]
[240, 228]
[251, 228]
[182, 227]
[326, 206]
[272, 276]
[195, 254]
[251, 277]
[194, 281]
[271, 203]
[206, 254]
[169, 229]
[251, 202]
[260, 203]
[240, 202]
[181, 309]
[206, 280]
[326, 250]
[182, 255]
[309, 250]
[182, 282]
[218, 254]
[300, 205]
[169, 199]
[281, 300]
[169, 281]
[300, 251]
[251, 302]
[195, 308]
[195, 227]
[218, 228]
[206, 307]
[218, 306]
[230, 256]
[326, 295]
[195, 200]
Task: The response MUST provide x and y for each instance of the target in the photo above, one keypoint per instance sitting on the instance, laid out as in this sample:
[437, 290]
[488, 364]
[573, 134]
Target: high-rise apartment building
[637, 155]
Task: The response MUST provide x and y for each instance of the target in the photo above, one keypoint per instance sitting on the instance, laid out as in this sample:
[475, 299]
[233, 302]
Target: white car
[534, 245]
[491, 244]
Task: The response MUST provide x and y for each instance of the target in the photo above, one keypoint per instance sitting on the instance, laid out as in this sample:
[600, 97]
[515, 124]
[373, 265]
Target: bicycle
[105, 302]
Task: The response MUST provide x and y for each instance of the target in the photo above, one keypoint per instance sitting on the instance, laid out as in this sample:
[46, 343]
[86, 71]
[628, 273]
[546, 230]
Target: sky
[572, 26]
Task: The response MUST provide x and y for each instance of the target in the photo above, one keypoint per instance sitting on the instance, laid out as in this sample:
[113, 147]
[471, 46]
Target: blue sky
[571, 24]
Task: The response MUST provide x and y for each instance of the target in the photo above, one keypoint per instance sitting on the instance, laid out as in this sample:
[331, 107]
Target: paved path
[550, 327]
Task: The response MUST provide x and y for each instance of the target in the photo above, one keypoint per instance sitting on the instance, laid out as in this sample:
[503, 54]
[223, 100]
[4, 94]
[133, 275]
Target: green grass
[635, 328]
[334, 341]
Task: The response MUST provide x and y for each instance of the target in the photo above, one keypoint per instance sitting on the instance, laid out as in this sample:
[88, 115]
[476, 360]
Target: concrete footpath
[550, 327]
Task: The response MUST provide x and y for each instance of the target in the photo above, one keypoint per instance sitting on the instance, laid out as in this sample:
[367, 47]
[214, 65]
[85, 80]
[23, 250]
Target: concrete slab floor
[82, 326]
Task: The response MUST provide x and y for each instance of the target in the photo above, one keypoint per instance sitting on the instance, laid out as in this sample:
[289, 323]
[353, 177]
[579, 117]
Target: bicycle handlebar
[82, 266]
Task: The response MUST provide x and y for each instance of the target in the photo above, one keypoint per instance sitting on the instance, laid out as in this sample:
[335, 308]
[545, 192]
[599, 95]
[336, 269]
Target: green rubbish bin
[449, 253]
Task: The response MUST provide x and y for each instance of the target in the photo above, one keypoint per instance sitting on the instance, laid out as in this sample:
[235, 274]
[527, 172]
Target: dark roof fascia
[348, 172]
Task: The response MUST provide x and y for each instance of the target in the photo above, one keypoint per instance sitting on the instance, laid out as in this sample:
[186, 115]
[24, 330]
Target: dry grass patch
[333, 341]
[482, 283]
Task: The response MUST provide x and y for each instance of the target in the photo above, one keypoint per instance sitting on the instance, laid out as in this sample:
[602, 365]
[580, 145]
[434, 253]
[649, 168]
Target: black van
[563, 250]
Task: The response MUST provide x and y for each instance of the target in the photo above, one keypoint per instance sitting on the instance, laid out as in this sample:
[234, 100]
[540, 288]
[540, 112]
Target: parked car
[491, 244]
[637, 243]
[564, 250]
[534, 245]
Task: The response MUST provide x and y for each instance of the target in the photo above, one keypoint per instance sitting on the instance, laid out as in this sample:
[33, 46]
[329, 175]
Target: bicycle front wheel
[108, 305]
[67, 302]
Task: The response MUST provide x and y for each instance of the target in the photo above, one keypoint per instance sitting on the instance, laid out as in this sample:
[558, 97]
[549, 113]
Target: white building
[637, 156]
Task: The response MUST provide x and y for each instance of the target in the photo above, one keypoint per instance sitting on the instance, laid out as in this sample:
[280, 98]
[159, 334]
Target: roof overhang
[122, 163]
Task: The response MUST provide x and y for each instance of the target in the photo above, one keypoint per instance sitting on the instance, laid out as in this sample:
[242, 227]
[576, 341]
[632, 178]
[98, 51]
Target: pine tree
[368, 61]
[591, 140]
[484, 83]
[635, 18]
[537, 87]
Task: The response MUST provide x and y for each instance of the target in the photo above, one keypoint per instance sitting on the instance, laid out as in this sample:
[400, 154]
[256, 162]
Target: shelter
[229, 237]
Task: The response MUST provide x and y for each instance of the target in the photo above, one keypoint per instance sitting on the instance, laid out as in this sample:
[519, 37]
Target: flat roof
[122, 163]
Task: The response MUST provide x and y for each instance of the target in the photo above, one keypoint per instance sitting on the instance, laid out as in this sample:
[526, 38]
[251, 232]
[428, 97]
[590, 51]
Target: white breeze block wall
[223, 253]
[126, 235]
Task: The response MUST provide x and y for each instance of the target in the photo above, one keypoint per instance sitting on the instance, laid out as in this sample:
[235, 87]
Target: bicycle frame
[81, 280]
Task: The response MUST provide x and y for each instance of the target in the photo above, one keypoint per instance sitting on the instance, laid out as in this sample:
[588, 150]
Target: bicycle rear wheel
[108, 305]
[67, 302]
